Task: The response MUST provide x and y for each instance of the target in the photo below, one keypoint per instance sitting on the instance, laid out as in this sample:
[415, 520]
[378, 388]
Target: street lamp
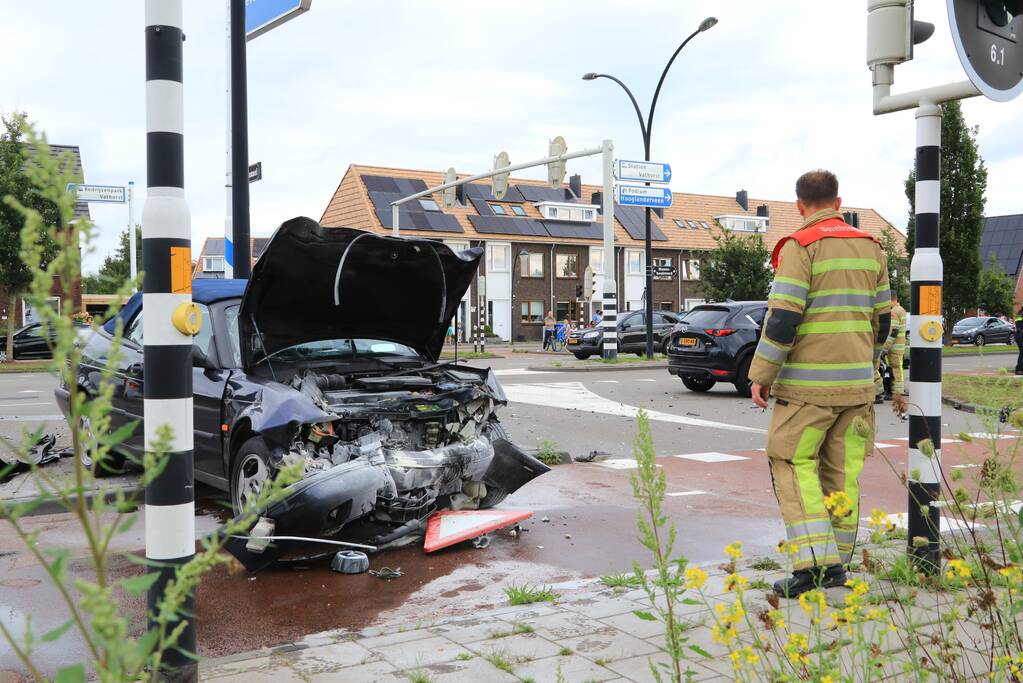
[645, 129]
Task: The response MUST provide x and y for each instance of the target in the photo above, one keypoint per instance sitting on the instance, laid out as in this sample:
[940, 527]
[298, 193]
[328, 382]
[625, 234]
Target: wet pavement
[718, 491]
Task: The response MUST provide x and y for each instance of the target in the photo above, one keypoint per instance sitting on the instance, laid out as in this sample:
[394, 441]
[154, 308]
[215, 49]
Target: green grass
[565, 651]
[501, 660]
[995, 391]
[527, 594]
[970, 348]
[467, 355]
[622, 358]
[548, 453]
[25, 366]
[759, 585]
[517, 629]
[765, 564]
[620, 580]
[418, 677]
[463, 657]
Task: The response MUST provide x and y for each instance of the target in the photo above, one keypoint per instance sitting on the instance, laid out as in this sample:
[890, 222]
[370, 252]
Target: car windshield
[969, 322]
[707, 316]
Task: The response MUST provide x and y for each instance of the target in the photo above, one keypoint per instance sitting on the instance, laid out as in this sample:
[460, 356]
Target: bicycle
[558, 340]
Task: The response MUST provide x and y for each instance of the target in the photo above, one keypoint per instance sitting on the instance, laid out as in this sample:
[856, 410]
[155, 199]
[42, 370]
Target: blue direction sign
[643, 171]
[643, 195]
[263, 15]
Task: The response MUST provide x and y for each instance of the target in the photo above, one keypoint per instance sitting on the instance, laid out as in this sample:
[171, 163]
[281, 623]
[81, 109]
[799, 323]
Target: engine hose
[403, 530]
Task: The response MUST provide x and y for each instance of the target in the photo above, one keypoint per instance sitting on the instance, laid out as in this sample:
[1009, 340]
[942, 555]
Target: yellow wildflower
[838, 504]
[735, 583]
[957, 569]
[733, 550]
[787, 548]
[827, 679]
[695, 578]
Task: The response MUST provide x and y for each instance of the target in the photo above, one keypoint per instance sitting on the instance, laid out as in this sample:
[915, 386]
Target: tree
[738, 268]
[894, 245]
[996, 291]
[963, 182]
[15, 275]
[116, 268]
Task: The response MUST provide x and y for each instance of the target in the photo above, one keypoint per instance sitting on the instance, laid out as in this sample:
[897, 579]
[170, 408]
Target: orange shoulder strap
[833, 227]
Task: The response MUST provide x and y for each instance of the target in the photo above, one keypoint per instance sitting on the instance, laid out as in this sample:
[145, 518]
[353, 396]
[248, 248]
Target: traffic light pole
[240, 244]
[166, 296]
[609, 350]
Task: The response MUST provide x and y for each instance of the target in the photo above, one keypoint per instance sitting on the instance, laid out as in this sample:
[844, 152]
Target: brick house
[1003, 239]
[538, 241]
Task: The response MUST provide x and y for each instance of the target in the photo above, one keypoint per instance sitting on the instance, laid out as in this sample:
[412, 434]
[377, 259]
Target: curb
[133, 494]
[965, 407]
[998, 352]
[656, 365]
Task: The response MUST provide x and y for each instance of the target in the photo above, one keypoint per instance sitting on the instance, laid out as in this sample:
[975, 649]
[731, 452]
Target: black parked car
[981, 331]
[29, 342]
[588, 341]
[715, 343]
[328, 356]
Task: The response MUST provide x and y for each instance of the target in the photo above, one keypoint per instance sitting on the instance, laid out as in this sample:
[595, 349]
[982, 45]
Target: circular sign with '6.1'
[988, 36]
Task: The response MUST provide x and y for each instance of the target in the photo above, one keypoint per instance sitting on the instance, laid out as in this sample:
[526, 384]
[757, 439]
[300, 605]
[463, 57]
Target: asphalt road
[709, 445]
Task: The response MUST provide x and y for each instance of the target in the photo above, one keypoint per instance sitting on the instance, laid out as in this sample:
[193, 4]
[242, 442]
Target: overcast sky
[774, 89]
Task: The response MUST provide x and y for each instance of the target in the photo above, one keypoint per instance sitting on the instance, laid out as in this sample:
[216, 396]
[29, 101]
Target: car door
[208, 385]
[127, 401]
[1005, 331]
[627, 330]
[30, 343]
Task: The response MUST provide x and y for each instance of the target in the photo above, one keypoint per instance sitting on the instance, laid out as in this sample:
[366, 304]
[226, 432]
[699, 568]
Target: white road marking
[646, 380]
[28, 391]
[18, 405]
[887, 445]
[988, 436]
[966, 466]
[575, 396]
[686, 493]
[943, 441]
[712, 456]
[607, 381]
[618, 463]
[520, 371]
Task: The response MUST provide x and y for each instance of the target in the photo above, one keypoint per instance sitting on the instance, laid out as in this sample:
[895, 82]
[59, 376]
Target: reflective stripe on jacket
[829, 314]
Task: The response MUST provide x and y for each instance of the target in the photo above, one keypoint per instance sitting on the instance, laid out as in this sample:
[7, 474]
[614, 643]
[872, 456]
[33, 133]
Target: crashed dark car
[329, 355]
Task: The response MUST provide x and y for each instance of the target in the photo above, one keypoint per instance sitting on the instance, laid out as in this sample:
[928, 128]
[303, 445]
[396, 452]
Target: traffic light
[578, 291]
[892, 31]
[449, 195]
[987, 37]
[556, 169]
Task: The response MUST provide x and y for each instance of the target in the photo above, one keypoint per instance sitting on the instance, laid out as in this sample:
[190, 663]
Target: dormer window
[518, 210]
[743, 223]
[567, 211]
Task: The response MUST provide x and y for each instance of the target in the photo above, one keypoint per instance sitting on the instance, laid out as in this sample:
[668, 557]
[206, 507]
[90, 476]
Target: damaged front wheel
[250, 472]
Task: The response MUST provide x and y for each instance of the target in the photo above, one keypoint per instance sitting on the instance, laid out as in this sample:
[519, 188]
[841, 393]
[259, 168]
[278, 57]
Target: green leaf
[645, 616]
[700, 651]
[58, 568]
[137, 585]
[690, 601]
[1020, 516]
[70, 674]
[120, 434]
[56, 633]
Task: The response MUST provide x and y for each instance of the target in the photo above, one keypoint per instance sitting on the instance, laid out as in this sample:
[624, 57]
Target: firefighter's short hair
[817, 187]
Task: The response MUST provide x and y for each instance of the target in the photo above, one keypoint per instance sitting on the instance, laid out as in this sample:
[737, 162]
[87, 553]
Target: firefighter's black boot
[809, 579]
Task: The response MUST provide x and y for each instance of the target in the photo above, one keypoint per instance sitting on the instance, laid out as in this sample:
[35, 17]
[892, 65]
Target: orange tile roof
[351, 207]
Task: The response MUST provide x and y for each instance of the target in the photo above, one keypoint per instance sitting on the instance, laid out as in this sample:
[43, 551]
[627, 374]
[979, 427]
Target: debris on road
[593, 456]
[386, 573]
[349, 562]
[42, 453]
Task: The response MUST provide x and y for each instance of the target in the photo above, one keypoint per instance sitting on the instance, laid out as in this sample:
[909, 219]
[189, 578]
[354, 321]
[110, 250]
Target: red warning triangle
[454, 526]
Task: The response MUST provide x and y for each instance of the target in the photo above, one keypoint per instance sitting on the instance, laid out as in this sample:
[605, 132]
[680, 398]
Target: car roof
[204, 291]
[732, 304]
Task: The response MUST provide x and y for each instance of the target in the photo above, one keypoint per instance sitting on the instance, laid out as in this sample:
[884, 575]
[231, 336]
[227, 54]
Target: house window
[567, 265]
[633, 262]
[666, 306]
[532, 311]
[497, 258]
[429, 205]
[215, 263]
[694, 269]
[662, 262]
[597, 260]
[693, 225]
[518, 210]
[531, 265]
[704, 225]
[680, 223]
[498, 209]
[552, 212]
[562, 311]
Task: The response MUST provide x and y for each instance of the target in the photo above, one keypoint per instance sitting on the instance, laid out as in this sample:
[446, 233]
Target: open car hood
[314, 283]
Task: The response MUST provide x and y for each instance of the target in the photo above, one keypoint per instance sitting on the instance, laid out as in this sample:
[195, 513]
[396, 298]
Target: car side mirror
[201, 360]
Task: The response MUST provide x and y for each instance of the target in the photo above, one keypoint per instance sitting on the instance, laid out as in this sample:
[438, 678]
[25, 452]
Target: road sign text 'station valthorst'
[643, 171]
[643, 195]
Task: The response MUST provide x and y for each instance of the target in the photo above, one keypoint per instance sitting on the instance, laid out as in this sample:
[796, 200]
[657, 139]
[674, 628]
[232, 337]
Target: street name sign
[263, 15]
[643, 171]
[110, 194]
[643, 195]
[255, 171]
[663, 271]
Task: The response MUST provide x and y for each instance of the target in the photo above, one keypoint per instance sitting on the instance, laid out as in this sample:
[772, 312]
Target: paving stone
[270, 674]
[240, 666]
[574, 669]
[332, 657]
[525, 645]
[374, 672]
[599, 607]
[522, 612]
[566, 625]
[424, 652]
[630, 623]
[394, 637]
[475, 670]
[472, 630]
[610, 646]
[638, 668]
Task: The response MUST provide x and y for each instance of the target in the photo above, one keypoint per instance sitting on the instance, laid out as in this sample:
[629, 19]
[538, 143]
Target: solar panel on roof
[481, 206]
[420, 220]
[379, 183]
[481, 191]
[633, 219]
[508, 225]
[576, 230]
[1003, 238]
[533, 193]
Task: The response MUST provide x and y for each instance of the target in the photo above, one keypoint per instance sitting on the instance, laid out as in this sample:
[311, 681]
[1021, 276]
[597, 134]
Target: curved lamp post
[646, 128]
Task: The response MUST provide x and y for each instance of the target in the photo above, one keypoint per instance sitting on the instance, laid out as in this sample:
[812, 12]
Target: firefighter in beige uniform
[829, 313]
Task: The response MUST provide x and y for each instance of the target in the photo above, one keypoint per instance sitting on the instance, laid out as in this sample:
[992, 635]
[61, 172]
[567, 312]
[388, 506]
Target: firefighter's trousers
[815, 451]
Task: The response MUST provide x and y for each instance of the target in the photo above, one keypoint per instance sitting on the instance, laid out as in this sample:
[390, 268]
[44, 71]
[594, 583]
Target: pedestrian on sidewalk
[895, 347]
[1019, 341]
[598, 318]
[549, 323]
[828, 315]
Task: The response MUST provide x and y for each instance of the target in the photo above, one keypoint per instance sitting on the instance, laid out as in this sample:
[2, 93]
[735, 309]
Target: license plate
[687, 341]
[573, 341]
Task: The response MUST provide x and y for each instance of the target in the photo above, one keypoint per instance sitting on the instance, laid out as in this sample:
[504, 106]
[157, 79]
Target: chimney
[742, 199]
[597, 198]
[763, 211]
[659, 212]
[575, 183]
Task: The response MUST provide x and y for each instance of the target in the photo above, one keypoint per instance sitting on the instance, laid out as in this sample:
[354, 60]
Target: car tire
[250, 471]
[495, 494]
[581, 356]
[980, 340]
[664, 346]
[112, 464]
[697, 384]
[742, 383]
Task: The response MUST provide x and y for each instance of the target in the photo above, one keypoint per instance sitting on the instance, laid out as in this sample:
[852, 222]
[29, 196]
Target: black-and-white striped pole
[610, 300]
[167, 300]
[925, 339]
